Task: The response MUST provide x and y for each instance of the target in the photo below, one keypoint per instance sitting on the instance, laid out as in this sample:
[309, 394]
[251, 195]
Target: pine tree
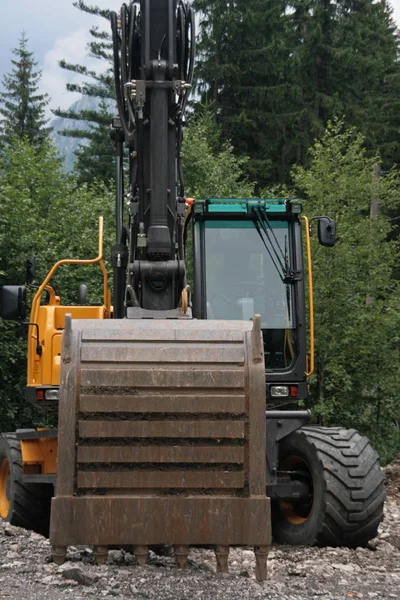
[243, 50]
[278, 70]
[23, 107]
[312, 25]
[93, 161]
[366, 62]
[98, 85]
[266, 65]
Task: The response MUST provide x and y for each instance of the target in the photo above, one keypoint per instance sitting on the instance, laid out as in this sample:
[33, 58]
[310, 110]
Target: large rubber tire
[24, 505]
[346, 485]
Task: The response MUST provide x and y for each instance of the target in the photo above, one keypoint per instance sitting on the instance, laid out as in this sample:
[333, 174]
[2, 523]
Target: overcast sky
[56, 30]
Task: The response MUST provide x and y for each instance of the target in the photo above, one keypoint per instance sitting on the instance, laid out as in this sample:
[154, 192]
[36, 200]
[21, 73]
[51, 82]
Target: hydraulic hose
[119, 88]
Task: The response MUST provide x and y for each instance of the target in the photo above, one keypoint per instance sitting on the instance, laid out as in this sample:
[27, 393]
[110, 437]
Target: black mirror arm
[309, 224]
[39, 348]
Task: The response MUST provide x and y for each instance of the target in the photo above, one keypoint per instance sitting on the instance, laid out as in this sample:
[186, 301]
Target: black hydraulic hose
[192, 53]
[186, 48]
[181, 27]
[139, 159]
[125, 62]
[191, 49]
[117, 61]
[179, 160]
[133, 176]
[120, 98]
[124, 59]
[186, 225]
[131, 40]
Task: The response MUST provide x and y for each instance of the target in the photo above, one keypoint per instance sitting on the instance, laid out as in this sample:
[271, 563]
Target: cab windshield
[242, 280]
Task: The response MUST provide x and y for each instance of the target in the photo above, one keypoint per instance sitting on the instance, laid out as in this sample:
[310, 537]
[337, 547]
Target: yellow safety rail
[33, 341]
[310, 365]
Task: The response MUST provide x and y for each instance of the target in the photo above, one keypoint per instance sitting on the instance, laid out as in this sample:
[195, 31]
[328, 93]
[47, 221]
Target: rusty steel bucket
[162, 438]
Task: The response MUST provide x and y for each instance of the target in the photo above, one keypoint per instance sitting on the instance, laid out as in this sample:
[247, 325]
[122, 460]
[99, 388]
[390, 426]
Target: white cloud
[396, 10]
[72, 49]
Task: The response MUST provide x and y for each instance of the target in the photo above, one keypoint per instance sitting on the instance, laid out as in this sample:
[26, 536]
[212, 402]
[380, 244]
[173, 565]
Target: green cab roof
[244, 205]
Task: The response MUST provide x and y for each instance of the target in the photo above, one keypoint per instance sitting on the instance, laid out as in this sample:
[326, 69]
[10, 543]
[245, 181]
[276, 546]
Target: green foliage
[357, 302]
[22, 107]
[210, 168]
[46, 213]
[97, 159]
[27, 184]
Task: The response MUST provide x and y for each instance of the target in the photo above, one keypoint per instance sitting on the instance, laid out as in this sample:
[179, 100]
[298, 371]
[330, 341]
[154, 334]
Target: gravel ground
[26, 572]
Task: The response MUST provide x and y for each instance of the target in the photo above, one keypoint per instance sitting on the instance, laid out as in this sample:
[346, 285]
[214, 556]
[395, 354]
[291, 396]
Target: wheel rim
[296, 511]
[4, 488]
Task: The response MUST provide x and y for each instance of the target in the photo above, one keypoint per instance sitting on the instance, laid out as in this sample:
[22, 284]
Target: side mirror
[326, 231]
[13, 302]
[30, 269]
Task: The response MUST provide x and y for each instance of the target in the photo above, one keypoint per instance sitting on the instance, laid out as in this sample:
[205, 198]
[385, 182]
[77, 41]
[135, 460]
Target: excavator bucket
[162, 438]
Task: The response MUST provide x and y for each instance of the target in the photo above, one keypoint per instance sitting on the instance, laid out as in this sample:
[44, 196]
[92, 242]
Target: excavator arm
[153, 65]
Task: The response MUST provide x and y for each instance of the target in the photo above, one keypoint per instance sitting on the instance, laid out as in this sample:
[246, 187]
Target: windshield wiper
[278, 257]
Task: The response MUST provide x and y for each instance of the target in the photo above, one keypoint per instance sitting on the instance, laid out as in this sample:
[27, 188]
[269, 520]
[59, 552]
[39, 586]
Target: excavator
[178, 417]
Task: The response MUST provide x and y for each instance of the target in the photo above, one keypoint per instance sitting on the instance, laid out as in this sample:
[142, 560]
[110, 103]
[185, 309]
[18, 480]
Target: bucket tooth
[100, 554]
[59, 554]
[141, 553]
[261, 553]
[181, 556]
[221, 554]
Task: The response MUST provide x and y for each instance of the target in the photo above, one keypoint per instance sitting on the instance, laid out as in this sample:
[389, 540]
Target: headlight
[52, 395]
[279, 391]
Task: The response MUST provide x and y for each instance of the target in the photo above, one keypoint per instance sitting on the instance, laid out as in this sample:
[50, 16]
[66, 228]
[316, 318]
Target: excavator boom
[153, 66]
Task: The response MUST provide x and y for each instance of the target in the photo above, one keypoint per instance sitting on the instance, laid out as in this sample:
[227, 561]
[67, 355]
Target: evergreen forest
[295, 98]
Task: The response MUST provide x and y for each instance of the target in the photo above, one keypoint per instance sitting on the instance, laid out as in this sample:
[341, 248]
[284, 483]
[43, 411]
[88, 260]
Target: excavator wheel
[24, 505]
[345, 505]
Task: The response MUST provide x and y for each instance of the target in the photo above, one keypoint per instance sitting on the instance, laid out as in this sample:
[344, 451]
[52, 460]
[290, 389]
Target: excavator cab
[248, 260]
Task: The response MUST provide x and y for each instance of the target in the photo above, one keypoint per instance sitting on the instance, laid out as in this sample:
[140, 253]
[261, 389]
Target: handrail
[310, 368]
[70, 261]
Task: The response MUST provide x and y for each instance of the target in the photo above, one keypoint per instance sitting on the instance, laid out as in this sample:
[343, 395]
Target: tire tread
[353, 490]
[31, 502]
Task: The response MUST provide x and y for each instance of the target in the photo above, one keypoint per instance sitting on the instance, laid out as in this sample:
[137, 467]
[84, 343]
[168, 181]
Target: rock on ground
[294, 573]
